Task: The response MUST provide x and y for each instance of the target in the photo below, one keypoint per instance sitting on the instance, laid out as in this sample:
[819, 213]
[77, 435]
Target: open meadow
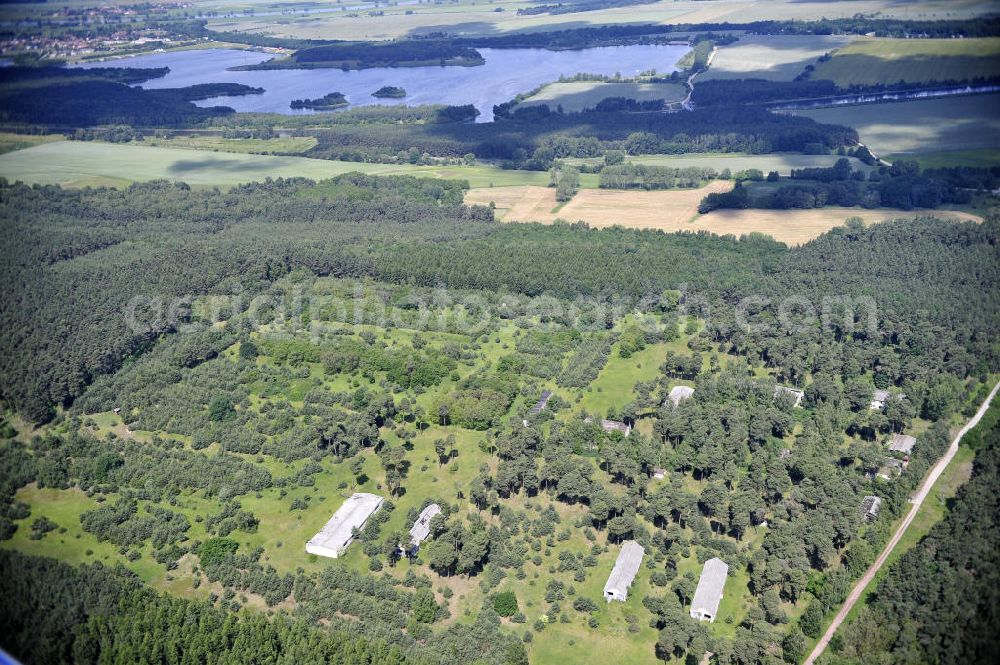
[886, 61]
[677, 210]
[771, 57]
[579, 95]
[921, 126]
[91, 163]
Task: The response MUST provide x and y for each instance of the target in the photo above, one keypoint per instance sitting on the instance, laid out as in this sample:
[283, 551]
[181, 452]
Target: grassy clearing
[580, 95]
[775, 58]
[867, 62]
[79, 164]
[921, 126]
[10, 142]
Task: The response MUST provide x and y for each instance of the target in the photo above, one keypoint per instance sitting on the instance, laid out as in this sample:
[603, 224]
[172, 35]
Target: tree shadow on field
[183, 166]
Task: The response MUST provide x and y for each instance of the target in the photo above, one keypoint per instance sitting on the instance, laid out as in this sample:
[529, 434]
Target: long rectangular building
[421, 528]
[708, 595]
[338, 532]
[623, 574]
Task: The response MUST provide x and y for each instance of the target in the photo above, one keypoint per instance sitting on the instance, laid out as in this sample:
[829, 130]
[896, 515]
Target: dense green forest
[102, 96]
[55, 613]
[901, 185]
[388, 229]
[363, 55]
[532, 137]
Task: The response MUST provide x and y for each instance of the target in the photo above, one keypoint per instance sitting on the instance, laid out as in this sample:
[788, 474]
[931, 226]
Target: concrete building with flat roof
[680, 393]
[902, 443]
[623, 574]
[870, 507]
[708, 595]
[616, 426]
[421, 528]
[338, 532]
[796, 394]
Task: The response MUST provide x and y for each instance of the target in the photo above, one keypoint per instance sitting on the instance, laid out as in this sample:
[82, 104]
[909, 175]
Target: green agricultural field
[869, 62]
[783, 163]
[10, 142]
[480, 17]
[921, 126]
[79, 164]
[934, 160]
[772, 57]
[580, 95]
[292, 145]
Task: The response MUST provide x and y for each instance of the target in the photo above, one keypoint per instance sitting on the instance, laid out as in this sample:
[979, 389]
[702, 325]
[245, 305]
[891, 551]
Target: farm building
[870, 507]
[659, 473]
[614, 425]
[421, 529]
[540, 404]
[338, 532]
[880, 397]
[708, 595]
[623, 574]
[794, 392]
[680, 393]
[902, 443]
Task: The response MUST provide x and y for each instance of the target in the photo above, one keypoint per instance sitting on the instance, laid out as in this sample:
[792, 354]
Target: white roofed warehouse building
[708, 595]
[623, 574]
[421, 529]
[338, 532]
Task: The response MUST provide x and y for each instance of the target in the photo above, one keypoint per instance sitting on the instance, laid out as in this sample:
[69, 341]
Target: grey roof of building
[540, 404]
[795, 392]
[871, 505]
[626, 566]
[881, 395]
[351, 515]
[611, 425]
[422, 527]
[902, 443]
[708, 595]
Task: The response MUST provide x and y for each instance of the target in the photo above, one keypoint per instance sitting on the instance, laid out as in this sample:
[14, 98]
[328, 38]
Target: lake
[507, 73]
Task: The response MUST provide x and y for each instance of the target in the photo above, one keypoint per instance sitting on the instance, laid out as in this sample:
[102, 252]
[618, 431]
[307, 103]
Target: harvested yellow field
[675, 210]
[666, 210]
[795, 227]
